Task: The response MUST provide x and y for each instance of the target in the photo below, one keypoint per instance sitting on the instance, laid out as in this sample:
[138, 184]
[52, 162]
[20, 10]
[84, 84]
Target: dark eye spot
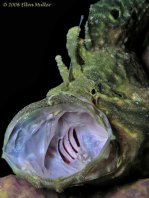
[115, 14]
[93, 91]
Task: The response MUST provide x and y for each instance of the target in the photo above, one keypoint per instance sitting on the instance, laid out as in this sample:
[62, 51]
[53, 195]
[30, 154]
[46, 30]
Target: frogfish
[94, 126]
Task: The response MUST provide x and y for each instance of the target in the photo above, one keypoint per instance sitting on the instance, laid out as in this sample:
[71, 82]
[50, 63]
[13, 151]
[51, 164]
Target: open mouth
[56, 142]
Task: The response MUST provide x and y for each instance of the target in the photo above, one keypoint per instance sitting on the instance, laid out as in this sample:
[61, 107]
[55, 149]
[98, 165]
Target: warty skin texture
[109, 77]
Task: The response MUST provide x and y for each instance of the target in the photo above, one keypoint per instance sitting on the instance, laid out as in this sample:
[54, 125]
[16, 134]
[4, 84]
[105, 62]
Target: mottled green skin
[103, 72]
[121, 87]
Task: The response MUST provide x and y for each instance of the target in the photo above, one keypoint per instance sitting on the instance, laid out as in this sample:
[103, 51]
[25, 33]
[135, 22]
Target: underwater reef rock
[136, 189]
[139, 189]
[13, 187]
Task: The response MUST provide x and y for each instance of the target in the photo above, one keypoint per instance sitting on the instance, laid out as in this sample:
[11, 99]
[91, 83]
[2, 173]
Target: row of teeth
[68, 146]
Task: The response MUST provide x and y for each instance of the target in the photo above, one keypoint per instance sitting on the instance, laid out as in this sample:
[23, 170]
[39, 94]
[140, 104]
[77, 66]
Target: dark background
[29, 41]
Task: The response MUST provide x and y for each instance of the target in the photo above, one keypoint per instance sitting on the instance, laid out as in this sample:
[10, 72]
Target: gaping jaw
[54, 142]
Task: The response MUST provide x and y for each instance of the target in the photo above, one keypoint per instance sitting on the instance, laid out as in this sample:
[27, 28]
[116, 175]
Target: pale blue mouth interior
[52, 145]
